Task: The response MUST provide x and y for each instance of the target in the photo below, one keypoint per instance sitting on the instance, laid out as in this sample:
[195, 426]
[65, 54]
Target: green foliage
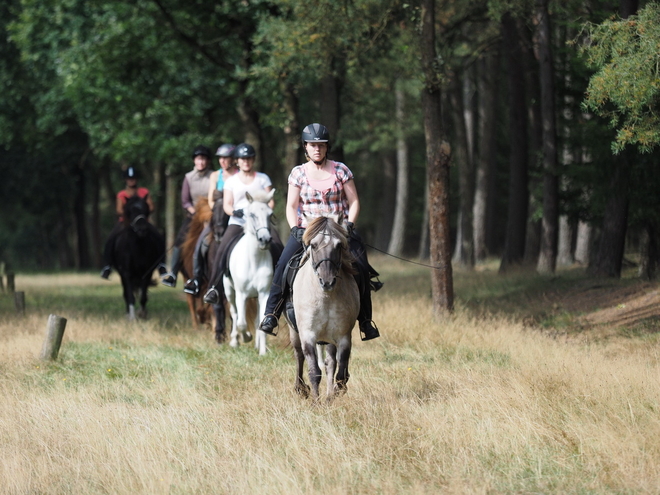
[625, 88]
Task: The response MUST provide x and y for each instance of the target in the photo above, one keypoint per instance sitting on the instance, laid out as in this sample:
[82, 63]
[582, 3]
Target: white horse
[326, 303]
[250, 270]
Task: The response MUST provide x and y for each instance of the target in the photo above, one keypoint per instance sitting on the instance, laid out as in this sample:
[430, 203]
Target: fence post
[19, 302]
[54, 334]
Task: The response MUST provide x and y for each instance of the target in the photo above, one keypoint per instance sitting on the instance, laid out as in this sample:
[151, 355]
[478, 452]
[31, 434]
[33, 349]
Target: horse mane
[320, 224]
[202, 214]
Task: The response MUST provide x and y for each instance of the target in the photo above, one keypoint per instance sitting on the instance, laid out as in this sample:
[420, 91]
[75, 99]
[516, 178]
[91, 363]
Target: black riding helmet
[226, 150]
[130, 173]
[315, 133]
[202, 150]
[244, 150]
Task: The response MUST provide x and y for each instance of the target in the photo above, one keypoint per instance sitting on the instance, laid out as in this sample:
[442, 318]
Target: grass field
[526, 389]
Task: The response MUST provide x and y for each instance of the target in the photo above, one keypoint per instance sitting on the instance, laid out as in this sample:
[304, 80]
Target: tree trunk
[331, 86]
[437, 157]
[399, 226]
[423, 253]
[486, 163]
[609, 254]
[549, 225]
[80, 215]
[387, 201]
[583, 243]
[565, 245]
[649, 252]
[97, 242]
[171, 202]
[292, 153]
[464, 250]
[514, 244]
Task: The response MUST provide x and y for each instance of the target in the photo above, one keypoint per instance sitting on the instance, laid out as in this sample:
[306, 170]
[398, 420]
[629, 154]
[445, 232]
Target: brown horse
[199, 312]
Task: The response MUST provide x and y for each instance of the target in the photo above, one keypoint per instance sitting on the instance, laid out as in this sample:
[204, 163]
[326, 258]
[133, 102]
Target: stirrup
[269, 324]
[375, 285]
[212, 296]
[169, 279]
[105, 272]
[191, 287]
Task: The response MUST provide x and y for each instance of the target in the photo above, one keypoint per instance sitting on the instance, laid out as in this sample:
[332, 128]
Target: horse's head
[257, 217]
[326, 243]
[136, 215]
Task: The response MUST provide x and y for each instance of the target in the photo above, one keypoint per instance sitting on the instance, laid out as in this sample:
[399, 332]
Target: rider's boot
[212, 296]
[269, 324]
[105, 272]
[169, 279]
[368, 329]
[193, 285]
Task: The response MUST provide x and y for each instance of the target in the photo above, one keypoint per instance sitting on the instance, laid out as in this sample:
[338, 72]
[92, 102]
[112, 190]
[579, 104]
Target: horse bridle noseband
[315, 265]
[136, 219]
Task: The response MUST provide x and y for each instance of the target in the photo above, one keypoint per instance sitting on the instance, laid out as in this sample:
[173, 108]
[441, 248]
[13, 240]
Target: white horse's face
[325, 255]
[257, 222]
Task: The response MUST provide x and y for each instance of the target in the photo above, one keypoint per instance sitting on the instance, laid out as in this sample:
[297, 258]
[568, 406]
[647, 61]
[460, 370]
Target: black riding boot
[193, 285]
[170, 278]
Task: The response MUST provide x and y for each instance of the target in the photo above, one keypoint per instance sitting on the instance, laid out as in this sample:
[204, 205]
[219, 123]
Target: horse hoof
[303, 391]
[247, 337]
[220, 337]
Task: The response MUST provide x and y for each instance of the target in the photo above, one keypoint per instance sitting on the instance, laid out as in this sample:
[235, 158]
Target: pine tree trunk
[171, 202]
[437, 156]
[464, 249]
[649, 252]
[514, 244]
[583, 243]
[291, 131]
[565, 246]
[399, 226]
[550, 222]
[485, 167]
[331, 86]
[387, 201]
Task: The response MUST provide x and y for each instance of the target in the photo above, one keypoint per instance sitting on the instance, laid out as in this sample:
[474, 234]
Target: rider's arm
[150, 203]
[186, 198]
[353, 202]
[228, 201]
[213, 183]
[292, 202]
[119, 206]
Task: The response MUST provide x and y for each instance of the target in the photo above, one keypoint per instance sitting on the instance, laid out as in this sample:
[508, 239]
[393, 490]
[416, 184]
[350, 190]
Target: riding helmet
[225, 150]
[130, 173]
[244, 150]
[315, 133]
[202, 150]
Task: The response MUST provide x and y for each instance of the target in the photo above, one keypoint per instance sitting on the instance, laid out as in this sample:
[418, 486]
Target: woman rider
[131, 176]
[321, 187]
[247, 180]
[216, 185]
[195, 186]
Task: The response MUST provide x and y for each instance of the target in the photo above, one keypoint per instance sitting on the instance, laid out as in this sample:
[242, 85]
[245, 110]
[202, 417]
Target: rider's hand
[297, 233]
[237, 213]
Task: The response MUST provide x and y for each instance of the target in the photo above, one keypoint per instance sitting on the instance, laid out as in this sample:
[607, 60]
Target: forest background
[547, 108]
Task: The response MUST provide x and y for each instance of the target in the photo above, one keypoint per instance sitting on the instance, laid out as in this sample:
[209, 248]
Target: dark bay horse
[138, 249]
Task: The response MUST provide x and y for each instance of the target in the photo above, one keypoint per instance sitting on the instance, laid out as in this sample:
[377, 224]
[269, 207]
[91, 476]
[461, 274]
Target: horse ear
[339, 217]
[249, 197]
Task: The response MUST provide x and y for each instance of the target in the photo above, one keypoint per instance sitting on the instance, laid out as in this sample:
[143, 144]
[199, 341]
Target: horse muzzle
[328, 285]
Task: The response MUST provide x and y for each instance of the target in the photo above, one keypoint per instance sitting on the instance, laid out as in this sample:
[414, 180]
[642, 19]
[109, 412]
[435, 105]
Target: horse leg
[193, 311]
[330, 369]
[300, 386]
[129, 298]
[219, 312]
[261, 336]
[309, 349]
[344, 349]
[241, 322]
[230, 293]
[143, 300]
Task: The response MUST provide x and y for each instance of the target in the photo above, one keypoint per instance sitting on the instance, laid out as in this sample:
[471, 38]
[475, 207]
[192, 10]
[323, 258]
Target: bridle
[316, 264]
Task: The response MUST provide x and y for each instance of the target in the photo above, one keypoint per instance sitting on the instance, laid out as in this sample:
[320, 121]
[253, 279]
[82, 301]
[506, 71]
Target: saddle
[228, 251]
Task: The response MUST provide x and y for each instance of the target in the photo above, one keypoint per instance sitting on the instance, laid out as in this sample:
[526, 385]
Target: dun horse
[326, 303]
[138, 249]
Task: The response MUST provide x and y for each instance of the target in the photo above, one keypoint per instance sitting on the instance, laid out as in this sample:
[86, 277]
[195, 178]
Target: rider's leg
[368, 329]
[193, 284]
[275, 304]
[176, 262]
[216, 289]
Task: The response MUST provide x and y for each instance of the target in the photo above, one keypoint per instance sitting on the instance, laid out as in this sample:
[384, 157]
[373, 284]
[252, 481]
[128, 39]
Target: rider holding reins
[321, 187]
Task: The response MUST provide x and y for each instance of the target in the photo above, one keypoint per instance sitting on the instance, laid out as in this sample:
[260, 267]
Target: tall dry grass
[467, 405]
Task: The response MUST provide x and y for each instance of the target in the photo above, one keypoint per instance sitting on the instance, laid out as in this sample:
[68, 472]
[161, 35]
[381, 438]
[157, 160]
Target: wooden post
[19, 302]
[10, 282]
[54, 334]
